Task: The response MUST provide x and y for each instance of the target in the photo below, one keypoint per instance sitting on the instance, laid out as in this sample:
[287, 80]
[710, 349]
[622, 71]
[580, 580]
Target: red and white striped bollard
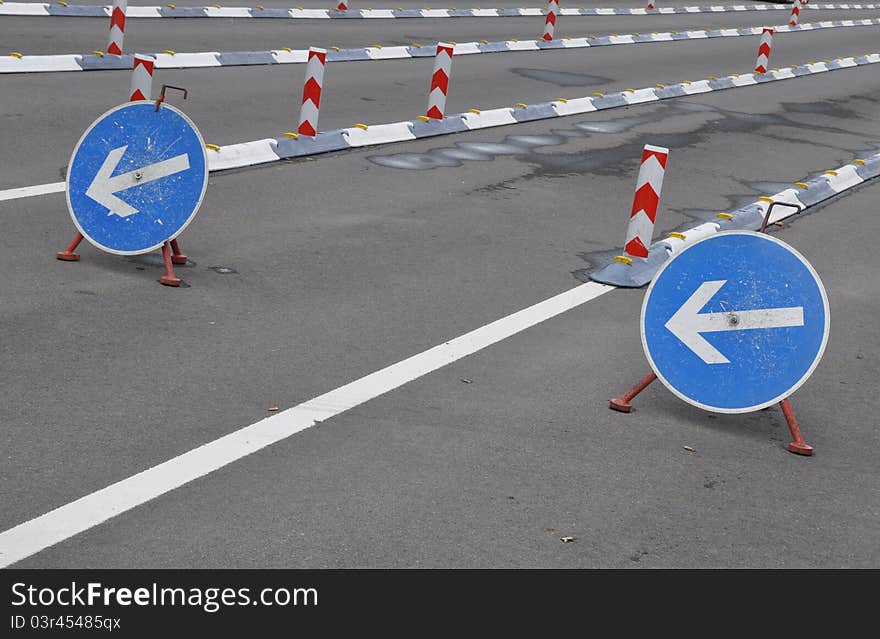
[440, 81]
[647, 197]
[117, 27]
[142, 78]
[763, 60]
[795, 13]
[550, 22]
[311, 100]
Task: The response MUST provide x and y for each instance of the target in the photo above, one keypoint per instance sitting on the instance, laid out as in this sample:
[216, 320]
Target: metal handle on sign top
[161, 97]
[770, 208]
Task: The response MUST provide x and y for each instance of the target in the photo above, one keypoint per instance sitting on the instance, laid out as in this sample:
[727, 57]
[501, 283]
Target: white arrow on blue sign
[736, 322]
[137, 178]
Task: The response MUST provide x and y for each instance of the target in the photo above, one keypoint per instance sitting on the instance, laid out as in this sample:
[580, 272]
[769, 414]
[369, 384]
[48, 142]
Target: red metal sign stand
[171, 253]
[798, 445]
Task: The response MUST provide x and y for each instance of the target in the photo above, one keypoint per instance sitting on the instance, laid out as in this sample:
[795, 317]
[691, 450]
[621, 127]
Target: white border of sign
[198, 205]
[790, 390]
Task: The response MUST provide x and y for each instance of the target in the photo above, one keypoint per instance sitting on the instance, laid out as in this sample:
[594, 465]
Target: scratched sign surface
[735, 322]
[136, 178]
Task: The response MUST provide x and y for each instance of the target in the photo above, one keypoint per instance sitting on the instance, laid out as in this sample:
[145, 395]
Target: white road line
[30, 191]
[62, 523]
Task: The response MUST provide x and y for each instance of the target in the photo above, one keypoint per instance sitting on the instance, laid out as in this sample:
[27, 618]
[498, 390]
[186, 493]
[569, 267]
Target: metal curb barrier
[274, 149]
[794, 200]
[17, 63]
[171, 11]
[797, 199]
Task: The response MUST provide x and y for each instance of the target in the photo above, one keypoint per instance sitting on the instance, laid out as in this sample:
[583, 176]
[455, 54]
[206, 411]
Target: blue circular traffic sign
[136, 177]
[735, 322]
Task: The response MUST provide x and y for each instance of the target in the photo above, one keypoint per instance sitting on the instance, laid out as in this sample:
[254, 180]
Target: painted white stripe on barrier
[143, 12]
[311, 14]
[490, 118]
[234, 156]
[525, 45]
[78, 516]
[466, 48]
[743, 80]
[691, 235]
[40, 63]
[188, 60]
[388, 53]
[700, 86]
[789, 196]
[846, 178]
[300, 56]
[639, 95]
[228, 12]
[574, 106]
[23, 9]
[379, 134]
[786, 73]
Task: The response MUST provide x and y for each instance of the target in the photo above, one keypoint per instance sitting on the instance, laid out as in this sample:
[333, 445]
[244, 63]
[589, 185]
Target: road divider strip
[19, 63]
[55, 526]
[267, 150]
[637, 272]
[270, 150]
[171, 11]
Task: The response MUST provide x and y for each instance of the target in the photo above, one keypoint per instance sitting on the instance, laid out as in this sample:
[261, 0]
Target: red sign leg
[622, 403]
[176, 256]
[68, 255]
[169, 279]
[798, 446]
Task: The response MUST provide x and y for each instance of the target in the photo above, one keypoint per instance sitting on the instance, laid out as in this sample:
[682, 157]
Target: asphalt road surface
[308, 274]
